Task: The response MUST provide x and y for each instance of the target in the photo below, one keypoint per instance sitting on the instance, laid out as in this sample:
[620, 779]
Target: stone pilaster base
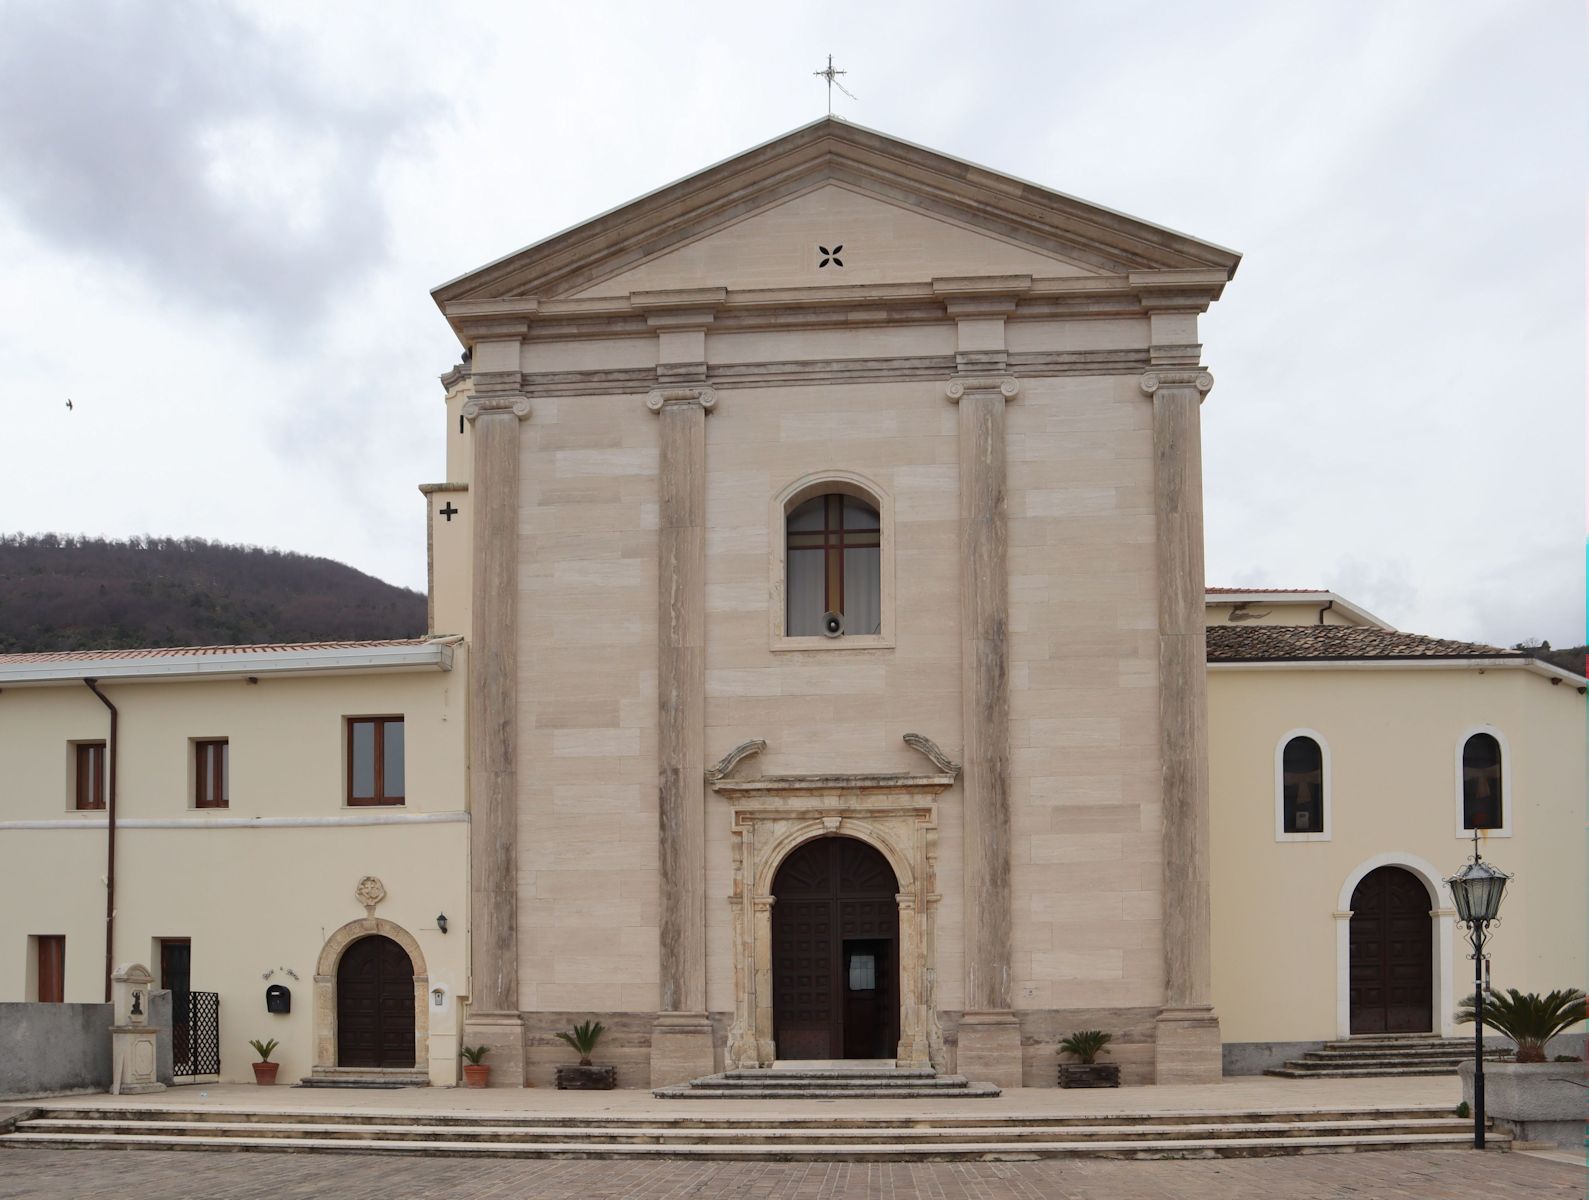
[503, 1033]
[1186, 1046]
[681, 1048]
[990, 1047]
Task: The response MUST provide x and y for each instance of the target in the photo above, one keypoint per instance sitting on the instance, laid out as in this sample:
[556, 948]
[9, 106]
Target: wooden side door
[375, 1005]
[51, 967]
[1392, 956]
[176, 977]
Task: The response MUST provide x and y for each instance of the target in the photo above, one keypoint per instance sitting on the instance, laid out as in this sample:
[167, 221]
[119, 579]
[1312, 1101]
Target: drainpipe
[1324, 610]
[110, 839]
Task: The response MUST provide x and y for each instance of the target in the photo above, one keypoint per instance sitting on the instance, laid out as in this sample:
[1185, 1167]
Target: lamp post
[1477, 890]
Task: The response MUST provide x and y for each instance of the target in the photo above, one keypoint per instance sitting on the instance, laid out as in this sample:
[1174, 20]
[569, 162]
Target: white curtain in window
[805, 593]
[863, 591]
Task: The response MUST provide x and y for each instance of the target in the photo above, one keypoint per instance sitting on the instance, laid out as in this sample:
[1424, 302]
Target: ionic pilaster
[1188, 1036]
[493, 1019]
[984, 618]
[681, 1040]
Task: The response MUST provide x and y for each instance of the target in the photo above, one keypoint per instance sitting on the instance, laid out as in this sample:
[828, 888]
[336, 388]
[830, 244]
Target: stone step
[863, 1151]
[832, 1073]
[886, 1124]
[1316, 1059]
[770, 1092]
[1293, 1072]
[602, 1134]
[927, 1081]
[1396, 1041]
[362, 1077]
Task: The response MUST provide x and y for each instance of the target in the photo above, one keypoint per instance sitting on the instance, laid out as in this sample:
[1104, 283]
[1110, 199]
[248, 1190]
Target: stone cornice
[773, 787]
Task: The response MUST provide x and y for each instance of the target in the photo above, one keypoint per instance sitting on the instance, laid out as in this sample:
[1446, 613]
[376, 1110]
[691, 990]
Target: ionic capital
[1198, 378]
[972, 385]
[682, 397]
[481, 406]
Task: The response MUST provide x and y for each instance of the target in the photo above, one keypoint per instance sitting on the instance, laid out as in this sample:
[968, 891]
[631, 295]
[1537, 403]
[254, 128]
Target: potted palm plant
[1087, 1072]
[1539, 1101]
[476, 1074]
[264, 1069]
[585, 1077]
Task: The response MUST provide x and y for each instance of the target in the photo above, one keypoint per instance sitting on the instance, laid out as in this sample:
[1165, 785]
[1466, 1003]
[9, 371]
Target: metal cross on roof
[831, 74]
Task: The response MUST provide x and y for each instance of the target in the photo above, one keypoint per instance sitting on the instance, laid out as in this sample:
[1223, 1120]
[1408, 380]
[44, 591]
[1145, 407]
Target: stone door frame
[325, 988]
[771, 817]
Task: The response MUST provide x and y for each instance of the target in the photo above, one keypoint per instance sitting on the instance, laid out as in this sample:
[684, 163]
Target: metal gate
[195, 1034]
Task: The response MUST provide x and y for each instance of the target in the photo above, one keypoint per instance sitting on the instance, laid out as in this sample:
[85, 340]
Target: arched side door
[375, 1005]
[1392, 958]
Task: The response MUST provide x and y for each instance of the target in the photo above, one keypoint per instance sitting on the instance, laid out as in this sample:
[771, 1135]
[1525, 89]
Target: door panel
[176, 976]
[375, 1005]
[834, 897]
[1391, 971]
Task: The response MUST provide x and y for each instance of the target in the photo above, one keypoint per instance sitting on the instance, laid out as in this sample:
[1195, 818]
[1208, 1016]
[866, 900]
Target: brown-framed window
[51, 965]
[1481, 783]
[89, 775]
[375, 760]
[212, 783]
[834, 549]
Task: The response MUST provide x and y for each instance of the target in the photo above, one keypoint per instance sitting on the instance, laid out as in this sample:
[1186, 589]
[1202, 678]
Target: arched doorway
[1392, 961]
[375, 1005]
[835, 952]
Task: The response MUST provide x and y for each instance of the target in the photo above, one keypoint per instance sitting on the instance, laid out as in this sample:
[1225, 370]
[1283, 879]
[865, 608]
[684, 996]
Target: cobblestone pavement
[156, 1175]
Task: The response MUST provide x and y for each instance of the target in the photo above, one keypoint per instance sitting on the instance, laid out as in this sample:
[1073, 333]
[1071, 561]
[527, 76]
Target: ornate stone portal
[897, 814]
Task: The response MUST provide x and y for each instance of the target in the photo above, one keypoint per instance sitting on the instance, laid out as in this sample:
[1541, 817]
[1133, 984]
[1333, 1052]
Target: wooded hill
[79, 593]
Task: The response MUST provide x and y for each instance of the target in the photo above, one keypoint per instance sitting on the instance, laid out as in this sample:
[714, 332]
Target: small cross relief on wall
[830, 256]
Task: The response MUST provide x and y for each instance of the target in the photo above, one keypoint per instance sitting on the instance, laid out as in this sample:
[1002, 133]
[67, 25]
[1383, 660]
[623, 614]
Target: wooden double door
[1392, 954]
[375, 1005]
[835, 952]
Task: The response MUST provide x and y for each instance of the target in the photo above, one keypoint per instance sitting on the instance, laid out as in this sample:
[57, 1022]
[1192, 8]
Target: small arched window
[833, 556]
[1302, 786]
[1481, 783]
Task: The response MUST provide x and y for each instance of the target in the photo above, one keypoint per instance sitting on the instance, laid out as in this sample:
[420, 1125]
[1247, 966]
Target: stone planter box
[1089, 1075]
[1536, 1102]
[587, 1079]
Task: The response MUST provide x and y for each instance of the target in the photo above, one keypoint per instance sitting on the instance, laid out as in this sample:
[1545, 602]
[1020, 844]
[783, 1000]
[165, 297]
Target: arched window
[1481, 783]
[1302, 786]
[833, 559]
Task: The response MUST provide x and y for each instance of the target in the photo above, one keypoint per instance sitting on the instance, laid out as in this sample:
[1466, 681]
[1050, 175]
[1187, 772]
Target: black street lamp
[1477, 890]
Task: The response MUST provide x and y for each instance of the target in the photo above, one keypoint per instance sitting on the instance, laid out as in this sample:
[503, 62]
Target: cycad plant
[583, 1039]
[1528, 1018]
[264, 1049]
[1087, 1044]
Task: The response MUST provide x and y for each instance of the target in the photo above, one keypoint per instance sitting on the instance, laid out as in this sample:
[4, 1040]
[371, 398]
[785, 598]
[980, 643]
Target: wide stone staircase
[1368, 1056]
[748, 1137]
[827, 1083]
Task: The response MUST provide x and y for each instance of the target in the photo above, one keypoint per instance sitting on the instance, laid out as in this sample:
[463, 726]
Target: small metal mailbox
[278, 999]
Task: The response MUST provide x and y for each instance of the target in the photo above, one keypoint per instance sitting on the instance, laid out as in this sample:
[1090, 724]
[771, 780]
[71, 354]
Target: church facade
[820, 667]
[841, 491]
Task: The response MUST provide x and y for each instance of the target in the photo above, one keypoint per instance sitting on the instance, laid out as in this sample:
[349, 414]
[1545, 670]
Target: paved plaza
[150, 1175]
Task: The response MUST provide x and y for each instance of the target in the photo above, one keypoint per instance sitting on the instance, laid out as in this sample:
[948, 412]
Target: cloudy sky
[219, 225]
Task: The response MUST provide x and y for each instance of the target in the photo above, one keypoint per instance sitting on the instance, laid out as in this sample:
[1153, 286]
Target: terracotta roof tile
[157, 652]
[1270, 643]
[1243, 591]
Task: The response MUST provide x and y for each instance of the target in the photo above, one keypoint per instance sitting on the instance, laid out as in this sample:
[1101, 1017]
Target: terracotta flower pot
[476, 1075]
[265, 1073]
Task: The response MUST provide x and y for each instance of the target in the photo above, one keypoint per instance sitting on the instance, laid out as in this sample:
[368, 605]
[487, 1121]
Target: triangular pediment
[901, 212]
[832, 234]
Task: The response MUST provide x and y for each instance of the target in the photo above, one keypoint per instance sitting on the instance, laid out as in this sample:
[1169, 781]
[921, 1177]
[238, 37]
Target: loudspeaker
[832, 624]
